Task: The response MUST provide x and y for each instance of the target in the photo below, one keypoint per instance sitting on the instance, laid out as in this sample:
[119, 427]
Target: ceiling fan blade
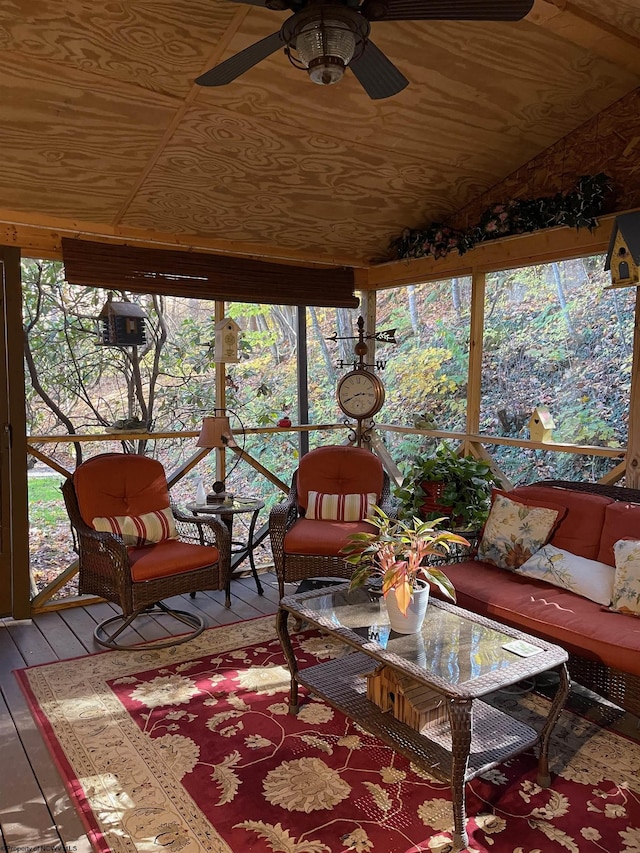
[377, 75]
[236, 65]
[456, 10]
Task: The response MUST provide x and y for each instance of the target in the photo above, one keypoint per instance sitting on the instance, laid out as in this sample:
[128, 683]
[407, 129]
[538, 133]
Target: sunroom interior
[274, 190]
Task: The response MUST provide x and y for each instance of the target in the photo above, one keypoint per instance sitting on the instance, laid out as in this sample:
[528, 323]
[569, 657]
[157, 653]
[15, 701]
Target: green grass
[46, 506]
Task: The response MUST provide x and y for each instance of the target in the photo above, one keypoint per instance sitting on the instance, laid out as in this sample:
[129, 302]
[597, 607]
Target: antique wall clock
[360, 392]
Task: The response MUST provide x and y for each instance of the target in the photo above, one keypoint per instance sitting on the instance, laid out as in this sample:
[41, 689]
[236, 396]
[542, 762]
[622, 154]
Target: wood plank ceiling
[103, 132]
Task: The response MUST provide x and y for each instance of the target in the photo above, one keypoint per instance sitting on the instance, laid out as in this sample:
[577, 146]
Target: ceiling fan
[323, 37]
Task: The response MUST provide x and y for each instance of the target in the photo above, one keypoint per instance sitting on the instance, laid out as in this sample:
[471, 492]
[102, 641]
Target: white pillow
[588, 578]
[626, 585]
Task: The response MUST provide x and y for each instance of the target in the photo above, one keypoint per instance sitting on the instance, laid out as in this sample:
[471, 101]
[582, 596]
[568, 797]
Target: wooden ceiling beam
[581, 28]
[40, 236]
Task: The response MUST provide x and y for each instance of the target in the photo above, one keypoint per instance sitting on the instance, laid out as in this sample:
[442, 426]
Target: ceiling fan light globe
[329, 39]
[326, 70]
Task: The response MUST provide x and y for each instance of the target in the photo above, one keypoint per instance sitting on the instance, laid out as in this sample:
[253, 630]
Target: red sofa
[603, 646]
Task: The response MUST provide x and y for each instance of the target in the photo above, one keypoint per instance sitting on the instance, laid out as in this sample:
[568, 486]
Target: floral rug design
[192, 749]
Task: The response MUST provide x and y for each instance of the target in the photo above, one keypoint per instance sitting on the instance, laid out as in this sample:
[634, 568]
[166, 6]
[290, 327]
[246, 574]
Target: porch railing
[474, 444]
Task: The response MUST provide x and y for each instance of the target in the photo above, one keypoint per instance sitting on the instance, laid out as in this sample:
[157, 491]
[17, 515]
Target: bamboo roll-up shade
[205, 276]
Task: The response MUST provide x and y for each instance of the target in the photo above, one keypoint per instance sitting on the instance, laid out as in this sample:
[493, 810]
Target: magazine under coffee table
[458, 655]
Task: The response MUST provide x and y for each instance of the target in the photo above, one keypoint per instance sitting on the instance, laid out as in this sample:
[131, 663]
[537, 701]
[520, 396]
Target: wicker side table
[226, 512]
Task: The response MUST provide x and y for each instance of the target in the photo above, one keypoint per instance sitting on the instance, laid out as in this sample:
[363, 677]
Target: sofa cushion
[117, 484]
[514, 531]
[589, 578]
[581, 626]
[515, 495]
[626, 584]
[170, 557]
[621, 520]
[324, 538]
[338, 469]
[579, 531]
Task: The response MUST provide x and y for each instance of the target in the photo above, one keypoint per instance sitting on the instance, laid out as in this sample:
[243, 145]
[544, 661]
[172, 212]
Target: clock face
[360, 394]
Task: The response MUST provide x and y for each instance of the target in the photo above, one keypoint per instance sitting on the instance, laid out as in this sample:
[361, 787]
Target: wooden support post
[303, 378]
[633, 441]
[14, 508]
[368, 301]
[474, 381]
[368, 304]
[221, 397]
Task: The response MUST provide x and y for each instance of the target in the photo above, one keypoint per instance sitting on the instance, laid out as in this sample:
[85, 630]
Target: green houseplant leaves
[398, 553]
[466, 488]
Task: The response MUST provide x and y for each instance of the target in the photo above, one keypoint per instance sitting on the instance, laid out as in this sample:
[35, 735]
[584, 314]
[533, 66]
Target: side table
[226, 511]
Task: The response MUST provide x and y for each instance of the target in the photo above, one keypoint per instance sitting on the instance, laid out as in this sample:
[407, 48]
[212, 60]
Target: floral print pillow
[514, 531]
[588, 578]
[626, 583]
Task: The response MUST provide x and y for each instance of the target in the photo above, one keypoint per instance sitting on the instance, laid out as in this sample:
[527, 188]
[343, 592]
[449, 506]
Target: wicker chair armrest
[90, 537]
[391, 506]
[282, 517]
[204, 531]
[100, 539]
[104, 552]
[388, 502]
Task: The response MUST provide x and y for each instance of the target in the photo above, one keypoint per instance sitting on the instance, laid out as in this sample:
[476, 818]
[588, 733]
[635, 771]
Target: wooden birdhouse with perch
[226, 344]
[541, 424]
[121, 324]
[623, 259]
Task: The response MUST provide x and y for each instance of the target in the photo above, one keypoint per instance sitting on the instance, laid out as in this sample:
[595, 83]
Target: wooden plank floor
[35, 812]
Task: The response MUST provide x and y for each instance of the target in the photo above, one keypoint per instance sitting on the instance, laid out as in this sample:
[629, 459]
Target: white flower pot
[412, 622]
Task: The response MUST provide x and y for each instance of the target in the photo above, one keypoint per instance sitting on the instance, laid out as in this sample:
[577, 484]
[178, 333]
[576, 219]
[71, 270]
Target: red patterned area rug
[191, 749]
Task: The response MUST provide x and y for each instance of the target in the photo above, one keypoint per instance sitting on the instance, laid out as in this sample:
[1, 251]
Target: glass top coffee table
[456, 659]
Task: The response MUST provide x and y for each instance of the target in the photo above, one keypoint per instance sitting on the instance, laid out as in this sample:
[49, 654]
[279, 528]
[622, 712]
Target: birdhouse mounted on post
[121, 324]
[541, 425]
[226, 344]
[623, 258]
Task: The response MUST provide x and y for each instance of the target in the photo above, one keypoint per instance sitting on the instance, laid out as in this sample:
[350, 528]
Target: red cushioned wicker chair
[119, 492]
[305, 548]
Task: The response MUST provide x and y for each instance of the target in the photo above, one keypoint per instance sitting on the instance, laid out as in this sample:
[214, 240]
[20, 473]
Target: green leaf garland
[577, 208]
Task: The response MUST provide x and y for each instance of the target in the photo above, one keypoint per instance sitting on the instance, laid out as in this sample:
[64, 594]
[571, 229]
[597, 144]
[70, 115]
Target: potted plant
[397, 554]
[458, 487]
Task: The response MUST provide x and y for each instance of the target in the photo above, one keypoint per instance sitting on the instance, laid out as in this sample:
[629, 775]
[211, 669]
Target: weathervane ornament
[360, 392]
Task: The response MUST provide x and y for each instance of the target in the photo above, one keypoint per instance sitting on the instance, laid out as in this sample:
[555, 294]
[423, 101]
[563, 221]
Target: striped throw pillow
[140, 529]
[340, 507]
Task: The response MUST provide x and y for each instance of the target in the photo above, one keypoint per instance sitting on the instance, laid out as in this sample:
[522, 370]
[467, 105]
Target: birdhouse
[226, 345]
[414, 704]
[541, 424]
[121, 324]
[623, 258]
